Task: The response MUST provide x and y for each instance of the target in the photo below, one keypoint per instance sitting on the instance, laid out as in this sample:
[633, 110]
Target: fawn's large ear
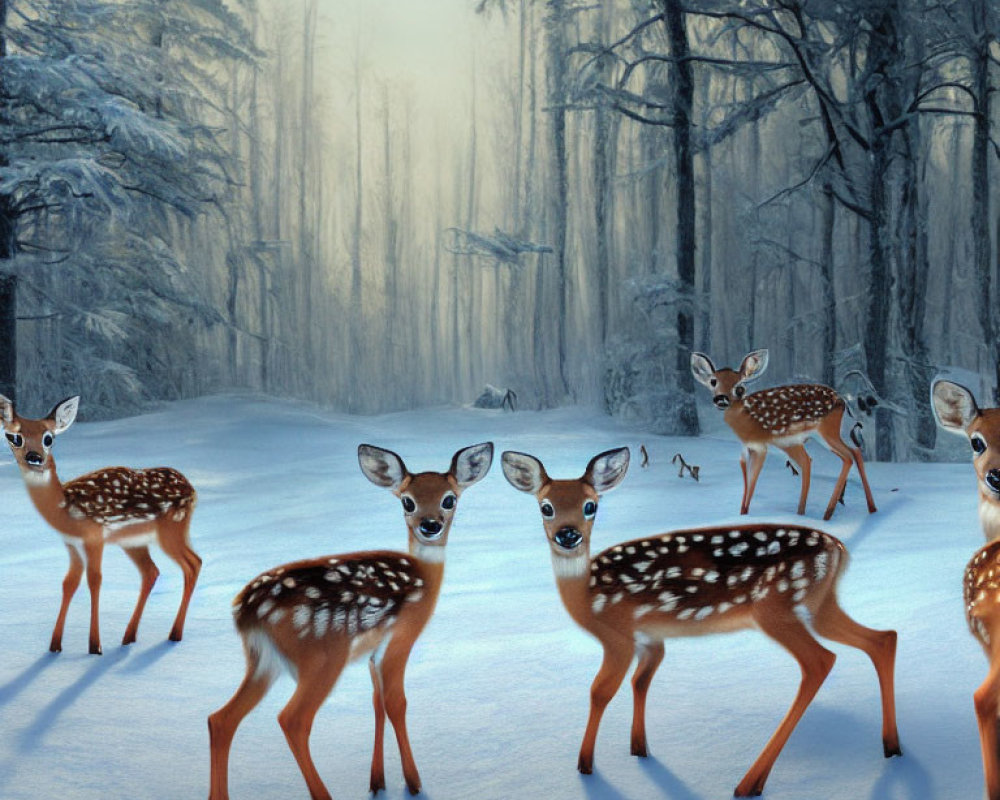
[954, 406]
[523, 472]
[6, 410]
[382, 467]
[472, 463]
[64, 413]
[702, 368]
[753, 365]
[606, 470]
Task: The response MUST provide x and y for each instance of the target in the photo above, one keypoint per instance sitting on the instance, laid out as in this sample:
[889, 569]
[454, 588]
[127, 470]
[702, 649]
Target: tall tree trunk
[980, 57]
[683, 102]
[307, 254]
[557, 73]
[879, 294]
[357, 296]
[704, 301]
[828, 289]
[8, 248]
[879, 101]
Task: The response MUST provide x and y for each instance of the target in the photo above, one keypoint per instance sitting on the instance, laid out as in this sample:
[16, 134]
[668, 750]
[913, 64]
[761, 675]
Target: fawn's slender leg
[617, 658]
[70, 584]
[799, 455]
[650, 657]
[775, 617]
[147, 569]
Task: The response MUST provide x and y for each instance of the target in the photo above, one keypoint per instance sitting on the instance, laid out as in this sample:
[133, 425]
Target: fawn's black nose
[430, 528]
[721, 400]
[34, 459]
[993, 480]
[568, 538]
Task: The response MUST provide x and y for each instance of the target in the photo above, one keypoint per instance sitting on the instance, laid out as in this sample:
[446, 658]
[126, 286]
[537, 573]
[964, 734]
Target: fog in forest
[380, 205]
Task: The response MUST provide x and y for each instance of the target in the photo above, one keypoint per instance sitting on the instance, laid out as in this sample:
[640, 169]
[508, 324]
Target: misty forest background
[381, 205]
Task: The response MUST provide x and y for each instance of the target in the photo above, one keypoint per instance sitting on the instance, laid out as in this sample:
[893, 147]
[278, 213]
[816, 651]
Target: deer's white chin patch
[35, 477]
[433, 553]
[989, 515]
[570, 566]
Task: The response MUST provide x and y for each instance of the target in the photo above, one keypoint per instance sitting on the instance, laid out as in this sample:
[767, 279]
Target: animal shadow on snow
[888, 506]
[18, 684]
[904, 779]
[30, 736]
[148, 657]
[597, 787]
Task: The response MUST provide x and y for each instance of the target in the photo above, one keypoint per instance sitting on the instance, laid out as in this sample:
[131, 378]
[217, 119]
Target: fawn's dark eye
[448, 502]
[713, 382]
[740, 391]
[547, 510]
[15, 439]
[408, 505]
[47, 440]
[978, 443]
[589, 509]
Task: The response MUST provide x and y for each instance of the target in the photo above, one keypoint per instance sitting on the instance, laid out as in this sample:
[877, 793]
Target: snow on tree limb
[499, 245]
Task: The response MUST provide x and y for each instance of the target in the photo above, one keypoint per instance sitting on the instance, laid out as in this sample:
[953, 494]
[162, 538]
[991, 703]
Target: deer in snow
[785, 416]
[312, 617]
[634, 595]
[956, 411]
[132, 508]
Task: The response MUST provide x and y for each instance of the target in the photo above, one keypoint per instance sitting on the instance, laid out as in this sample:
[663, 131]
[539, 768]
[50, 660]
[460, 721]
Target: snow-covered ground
[498, 685]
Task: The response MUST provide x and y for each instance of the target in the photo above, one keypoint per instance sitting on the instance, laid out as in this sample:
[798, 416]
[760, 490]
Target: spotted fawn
[957, 412]
[116, 505]
[785, 416]
[692, 582]
[312, 617]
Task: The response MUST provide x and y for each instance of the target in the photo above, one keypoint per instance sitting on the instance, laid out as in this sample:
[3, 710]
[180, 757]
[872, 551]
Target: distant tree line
[187, 204]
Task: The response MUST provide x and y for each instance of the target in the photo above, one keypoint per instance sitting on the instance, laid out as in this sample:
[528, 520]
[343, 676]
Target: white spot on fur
[265, 608]
[301, 616]
[820, 565]
[289, 582]
[597, 604]
[321, 621]
[774, 548]
[704, 612]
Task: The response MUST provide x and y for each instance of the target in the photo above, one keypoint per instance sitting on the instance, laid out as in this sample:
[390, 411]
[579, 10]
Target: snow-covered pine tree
[110, 143]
